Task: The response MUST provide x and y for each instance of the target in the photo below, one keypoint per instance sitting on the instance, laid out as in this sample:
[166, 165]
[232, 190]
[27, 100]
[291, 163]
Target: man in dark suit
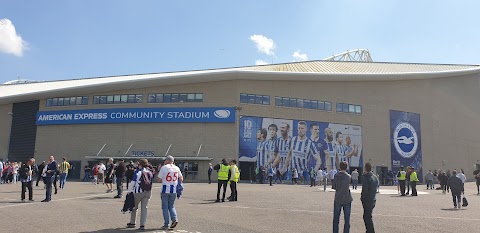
[50, 170]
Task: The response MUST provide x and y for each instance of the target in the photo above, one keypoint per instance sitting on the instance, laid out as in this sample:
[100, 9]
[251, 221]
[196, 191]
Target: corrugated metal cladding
[24, 131]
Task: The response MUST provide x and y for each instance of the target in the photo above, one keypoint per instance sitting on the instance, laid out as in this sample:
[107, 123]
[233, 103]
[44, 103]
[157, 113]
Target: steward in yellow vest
[234, 178]
[402, 176]
[413, 181]
[223, 170]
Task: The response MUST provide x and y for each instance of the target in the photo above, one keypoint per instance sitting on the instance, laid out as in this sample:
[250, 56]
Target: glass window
[328, 106]
[293, 103]
[339, 107]
[286, 102]
[78, 100]
[151, 98]
[103, 99]
[66, 101]
[85, 100]
[182, 98]
[49, 102]
[251, 99]
[351, 108]
[159, 98]
[174, 98]
[191, 98]
[124, 98]
[266, 100]
[96, 99]
[109, 99]
[73, 100]
[306, 103]
[199, 97]
[258, 99]
[60, 102]
[116, 99]
[345, 107]
[167, 98]
[139, 98]
[313, 104]
[244, 98]
[358, 109]
[321, 105]
[54, 102]
[278, 101]
[131, 99]
[299, 103]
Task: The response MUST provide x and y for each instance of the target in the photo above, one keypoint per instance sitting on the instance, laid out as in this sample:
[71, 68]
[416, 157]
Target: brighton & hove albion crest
[405, 140]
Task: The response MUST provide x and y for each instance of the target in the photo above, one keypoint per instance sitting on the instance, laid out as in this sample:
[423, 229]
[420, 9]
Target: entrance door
[247, 170]
[382, 173]
[75, 169]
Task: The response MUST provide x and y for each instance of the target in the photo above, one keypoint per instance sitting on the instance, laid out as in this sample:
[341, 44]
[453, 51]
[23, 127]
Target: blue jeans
[86, 177]
[354, 184]
[63, 179]
[337, 208]
[169, 212]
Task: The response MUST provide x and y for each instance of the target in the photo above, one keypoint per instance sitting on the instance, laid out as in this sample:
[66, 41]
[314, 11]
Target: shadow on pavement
[114, 230]
[451, 209]
[129, 230]
[207, 202]
[102, 198]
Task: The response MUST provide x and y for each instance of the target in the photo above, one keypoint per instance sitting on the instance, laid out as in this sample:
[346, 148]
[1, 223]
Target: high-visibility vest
[413, 177]
[403, 175]
[223, 172]
[236, 176]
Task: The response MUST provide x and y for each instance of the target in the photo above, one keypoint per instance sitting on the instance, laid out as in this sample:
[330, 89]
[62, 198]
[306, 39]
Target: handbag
[465, 202]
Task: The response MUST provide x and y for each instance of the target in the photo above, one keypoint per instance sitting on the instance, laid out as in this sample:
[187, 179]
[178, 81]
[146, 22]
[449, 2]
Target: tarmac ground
[84, 207]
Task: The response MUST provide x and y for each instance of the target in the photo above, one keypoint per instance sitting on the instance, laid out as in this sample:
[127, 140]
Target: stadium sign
[137, 115]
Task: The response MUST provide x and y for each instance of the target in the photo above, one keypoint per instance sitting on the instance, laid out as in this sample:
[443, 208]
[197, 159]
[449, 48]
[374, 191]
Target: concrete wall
[5, 125]
[448, 108]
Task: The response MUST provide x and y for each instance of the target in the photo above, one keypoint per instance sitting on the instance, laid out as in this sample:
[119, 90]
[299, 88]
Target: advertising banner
[136, 115]
[405, 141]
[303, 145]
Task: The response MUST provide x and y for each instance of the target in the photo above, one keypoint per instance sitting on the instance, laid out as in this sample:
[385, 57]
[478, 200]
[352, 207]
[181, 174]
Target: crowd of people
[139, 178]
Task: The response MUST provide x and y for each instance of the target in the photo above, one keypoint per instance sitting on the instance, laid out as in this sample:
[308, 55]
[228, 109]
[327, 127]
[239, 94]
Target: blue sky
[74, 39]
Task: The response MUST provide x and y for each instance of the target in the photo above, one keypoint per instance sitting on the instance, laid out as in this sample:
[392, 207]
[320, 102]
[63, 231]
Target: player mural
[287, 144]
[405, 139]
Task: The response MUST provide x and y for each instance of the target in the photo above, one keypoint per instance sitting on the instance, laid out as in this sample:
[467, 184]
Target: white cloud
[10, 41]
[261, 62]
[264, 44]
[299, 56]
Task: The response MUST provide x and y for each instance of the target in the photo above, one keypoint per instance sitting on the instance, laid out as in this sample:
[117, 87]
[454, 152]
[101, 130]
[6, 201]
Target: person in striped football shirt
[301, 150]
[169, 175]
[139, 193]
[282, 146]
[262, 150]
[270, 143]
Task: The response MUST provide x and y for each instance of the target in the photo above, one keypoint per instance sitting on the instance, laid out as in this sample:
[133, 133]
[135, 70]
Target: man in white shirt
[169, 175]
[462, 177]
[101, 173]
[320, 177]
[141, 187]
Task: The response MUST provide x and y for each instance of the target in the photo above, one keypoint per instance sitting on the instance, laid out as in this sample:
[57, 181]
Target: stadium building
[302, 115]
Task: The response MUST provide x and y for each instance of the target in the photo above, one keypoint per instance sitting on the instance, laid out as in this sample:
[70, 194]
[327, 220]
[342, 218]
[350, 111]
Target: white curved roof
[299, 71]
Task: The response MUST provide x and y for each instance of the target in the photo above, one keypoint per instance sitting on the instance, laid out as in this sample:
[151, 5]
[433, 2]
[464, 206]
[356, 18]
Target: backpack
[465, 202]
[145, 181]
[22, 173]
